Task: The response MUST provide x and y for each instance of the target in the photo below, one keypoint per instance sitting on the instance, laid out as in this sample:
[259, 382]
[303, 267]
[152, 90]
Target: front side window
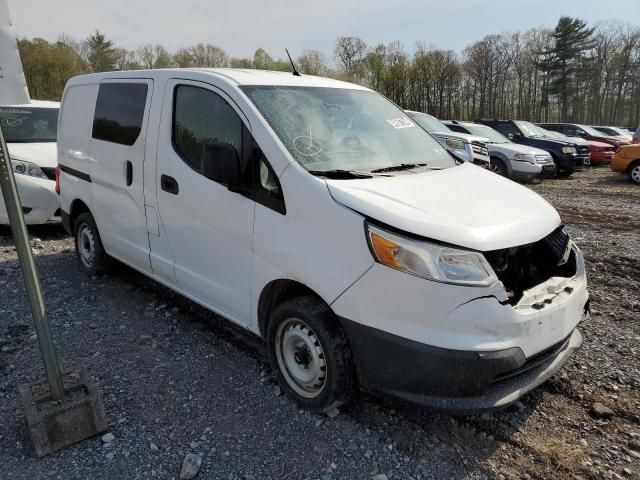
[327, 129]
[202, 118]
[29, 125]
[119, 112]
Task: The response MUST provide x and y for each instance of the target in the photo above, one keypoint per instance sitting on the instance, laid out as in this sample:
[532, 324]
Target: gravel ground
[177, 380]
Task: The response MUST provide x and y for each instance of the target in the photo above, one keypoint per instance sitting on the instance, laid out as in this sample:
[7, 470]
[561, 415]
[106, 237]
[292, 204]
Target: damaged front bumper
[460, 349]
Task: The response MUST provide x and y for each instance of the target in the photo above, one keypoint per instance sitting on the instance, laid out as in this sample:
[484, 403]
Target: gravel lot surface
[176, 380]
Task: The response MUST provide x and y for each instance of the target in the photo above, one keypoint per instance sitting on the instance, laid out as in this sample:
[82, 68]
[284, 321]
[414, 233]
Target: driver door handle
[169, 184]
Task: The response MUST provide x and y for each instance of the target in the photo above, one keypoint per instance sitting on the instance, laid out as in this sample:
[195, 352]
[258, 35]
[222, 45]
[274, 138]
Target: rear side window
[202, 117]
[119, 112]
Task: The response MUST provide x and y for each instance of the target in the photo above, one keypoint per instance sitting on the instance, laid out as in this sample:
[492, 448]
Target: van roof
[238, 76]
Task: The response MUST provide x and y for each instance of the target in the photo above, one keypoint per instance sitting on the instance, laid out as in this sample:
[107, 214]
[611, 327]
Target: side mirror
[517, 136]
[221, 163]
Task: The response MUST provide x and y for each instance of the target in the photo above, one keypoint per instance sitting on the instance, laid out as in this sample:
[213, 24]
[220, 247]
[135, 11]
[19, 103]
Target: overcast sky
[241, 26]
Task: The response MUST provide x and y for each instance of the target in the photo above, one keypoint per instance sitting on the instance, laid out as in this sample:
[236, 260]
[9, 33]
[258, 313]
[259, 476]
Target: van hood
[43, 154]
[464, 205]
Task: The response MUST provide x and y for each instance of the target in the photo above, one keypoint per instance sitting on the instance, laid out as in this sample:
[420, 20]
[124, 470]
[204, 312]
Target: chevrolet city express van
[318, 215]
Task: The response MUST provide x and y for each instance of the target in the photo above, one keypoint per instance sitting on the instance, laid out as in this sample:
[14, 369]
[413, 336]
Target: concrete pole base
[56, 424]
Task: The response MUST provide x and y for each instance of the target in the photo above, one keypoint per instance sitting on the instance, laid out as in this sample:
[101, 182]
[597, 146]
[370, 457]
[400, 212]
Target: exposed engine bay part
[527, 266]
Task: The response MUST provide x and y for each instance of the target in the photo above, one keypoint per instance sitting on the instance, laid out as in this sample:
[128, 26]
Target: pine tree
[102, 56]
[565, 59]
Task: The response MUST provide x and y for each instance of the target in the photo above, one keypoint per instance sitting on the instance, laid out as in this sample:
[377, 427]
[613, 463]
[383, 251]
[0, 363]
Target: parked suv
[519, 162]
[469, 148]
[30, 133]
[600, 152]
[564, 153]
[583, 131]
[341, 233]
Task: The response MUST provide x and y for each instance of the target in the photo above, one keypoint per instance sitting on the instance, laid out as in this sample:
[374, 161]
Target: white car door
[209, 227]
[116, 168]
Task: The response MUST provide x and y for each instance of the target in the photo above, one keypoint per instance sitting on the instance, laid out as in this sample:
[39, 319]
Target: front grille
[524, 267]
[49, 172]
[583, 149]
[479, 148]
[535, 360]
[541, 159]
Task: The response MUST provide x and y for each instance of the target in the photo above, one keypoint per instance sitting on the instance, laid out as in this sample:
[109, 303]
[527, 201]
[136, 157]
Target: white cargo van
[317, 215]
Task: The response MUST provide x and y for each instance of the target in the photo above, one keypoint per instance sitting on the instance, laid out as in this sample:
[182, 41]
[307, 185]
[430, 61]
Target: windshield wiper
[397, 168]
[339, 174]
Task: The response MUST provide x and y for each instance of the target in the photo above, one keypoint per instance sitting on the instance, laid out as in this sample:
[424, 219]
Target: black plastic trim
[75, 173]
[459, 381]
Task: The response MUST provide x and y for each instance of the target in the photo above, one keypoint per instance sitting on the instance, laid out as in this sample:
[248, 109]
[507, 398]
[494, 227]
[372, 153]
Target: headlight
[27, 168]
[522, 157]
[568, 149]
[440, 263]
[455, 143]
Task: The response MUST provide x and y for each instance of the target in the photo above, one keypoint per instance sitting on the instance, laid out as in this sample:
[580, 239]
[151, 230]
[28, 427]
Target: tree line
[572, 72]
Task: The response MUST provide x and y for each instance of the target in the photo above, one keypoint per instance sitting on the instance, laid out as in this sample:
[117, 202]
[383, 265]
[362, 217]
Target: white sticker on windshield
[403, 122]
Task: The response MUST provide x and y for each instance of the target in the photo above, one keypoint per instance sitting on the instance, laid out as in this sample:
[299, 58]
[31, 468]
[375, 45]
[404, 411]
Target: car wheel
[634, 172]
[89, 249]
[498, 166]
[565, 173]
[310, 354]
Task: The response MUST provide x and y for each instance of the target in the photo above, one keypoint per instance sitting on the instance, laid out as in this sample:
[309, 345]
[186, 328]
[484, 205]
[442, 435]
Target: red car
[600, 152]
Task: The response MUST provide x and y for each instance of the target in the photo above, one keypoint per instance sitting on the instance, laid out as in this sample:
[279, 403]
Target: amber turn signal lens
[385, 249]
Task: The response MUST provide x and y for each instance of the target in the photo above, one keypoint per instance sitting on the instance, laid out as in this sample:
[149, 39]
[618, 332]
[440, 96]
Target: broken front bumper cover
[454, 381]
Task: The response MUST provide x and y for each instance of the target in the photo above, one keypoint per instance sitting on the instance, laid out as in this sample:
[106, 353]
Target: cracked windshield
[327, 129]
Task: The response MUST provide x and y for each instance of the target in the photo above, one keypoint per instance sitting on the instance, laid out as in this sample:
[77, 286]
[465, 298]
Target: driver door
[209, 227]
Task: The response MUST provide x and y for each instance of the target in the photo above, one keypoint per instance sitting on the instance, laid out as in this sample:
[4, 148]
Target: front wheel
[565, 173]
[634, 172]
[310, 354]
[498, 166]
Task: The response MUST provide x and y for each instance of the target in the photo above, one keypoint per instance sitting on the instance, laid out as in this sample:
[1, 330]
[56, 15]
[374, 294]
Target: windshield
[531, 130]
[590, 130]
[429, 122]
[29, 125]
[487, 132]
[328, 129]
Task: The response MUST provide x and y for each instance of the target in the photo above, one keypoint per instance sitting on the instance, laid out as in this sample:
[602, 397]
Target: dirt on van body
[176, 380]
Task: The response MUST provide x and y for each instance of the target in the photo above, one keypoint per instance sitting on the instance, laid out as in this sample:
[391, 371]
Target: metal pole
[29, 271]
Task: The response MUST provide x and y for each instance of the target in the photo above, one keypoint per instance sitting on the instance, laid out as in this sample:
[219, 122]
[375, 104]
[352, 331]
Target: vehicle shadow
[54, 231]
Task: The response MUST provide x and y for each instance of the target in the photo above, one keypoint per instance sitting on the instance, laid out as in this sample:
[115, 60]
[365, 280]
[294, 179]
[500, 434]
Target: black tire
[310, 319]
[634, 172]
[565, 173]
[498, 166]
[93, 258]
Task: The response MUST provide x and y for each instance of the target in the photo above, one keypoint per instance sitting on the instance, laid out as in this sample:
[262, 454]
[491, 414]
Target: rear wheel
[634, 172]
[89, 249]
[310, 354]
[498, 166]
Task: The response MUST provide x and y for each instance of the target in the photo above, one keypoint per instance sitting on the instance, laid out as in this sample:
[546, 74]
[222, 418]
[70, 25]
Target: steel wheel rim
[86, 245]
[635, 174]
[301, 358]
[495, 168]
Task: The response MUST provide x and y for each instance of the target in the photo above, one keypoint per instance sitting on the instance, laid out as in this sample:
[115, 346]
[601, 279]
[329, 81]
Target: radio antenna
[293, 65]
